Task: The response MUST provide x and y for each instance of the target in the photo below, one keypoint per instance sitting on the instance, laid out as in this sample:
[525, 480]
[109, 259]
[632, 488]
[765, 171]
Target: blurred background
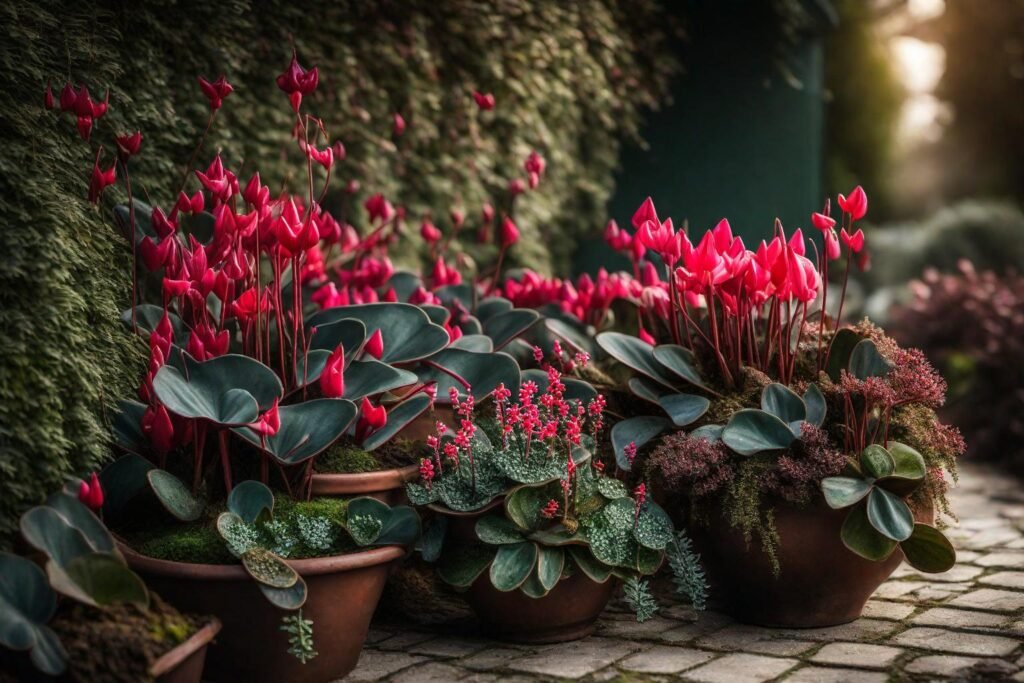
[750, 109]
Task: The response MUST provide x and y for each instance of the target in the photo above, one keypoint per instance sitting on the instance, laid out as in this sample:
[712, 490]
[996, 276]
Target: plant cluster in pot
[766, 420]
[212, 501]
[528, 525]
[88, 616]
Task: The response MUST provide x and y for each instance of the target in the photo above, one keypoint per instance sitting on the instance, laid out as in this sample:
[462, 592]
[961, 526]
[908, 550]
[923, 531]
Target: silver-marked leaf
[268, 568]
[890, 514]
[498, 530]
[876, 462]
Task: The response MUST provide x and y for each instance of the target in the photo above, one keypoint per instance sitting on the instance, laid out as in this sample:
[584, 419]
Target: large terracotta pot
[184, 664]
[821, 582]
[568, 612]
[342, 595]
[387, 486]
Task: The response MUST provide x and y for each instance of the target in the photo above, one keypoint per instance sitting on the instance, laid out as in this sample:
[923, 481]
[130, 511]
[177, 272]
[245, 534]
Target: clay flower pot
[821, 582]
[343, 594]
[568, 612]
[184, 664]
[387, 486]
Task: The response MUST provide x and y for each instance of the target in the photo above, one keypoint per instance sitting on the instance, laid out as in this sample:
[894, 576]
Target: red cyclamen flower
[128, 145]
[216, 91]
[332, 379]
[100, 179]
[295, 81]
[856, 204]
[509, 233]
[486, 102]
[91, 494]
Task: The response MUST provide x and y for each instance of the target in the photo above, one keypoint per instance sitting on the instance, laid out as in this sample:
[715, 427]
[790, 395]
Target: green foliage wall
[570, 79]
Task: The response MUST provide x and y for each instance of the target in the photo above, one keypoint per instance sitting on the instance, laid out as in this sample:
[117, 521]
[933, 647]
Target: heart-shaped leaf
[250, 500]
[866, 361]
[498, 530]
[490, 307]
[550, 563]
[681, 362]
[928, 550]
[814, 401]
[399, 525]
[174, 496]
[594, 569]
[647, 389]
[861, 538]
[890, 515]
[712, 433]
[49, 532]
[752, 431]
[684, 409]
[348, 333]
[461, 565]
[83, 519]
[98, 580]
[636, 430]
[306, 429]
[482, 372]
[127, 427]
[512, 565]
[398, 418]
[504, 327]
[406, 330]
[876, 462]
[783, 403]
[27, 603]
[404, 283]
[637, 355]
[122, 480]
[839, 351]
[477, 343]
[439, 315]
[575, 389]
[227, 390]
[841, 492]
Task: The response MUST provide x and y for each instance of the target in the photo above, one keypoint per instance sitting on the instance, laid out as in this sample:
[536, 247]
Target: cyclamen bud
[399, 124]
[332, 379]
[48, 97]
[91, 494]
[509, 233]
[375, 345]
[429, 232]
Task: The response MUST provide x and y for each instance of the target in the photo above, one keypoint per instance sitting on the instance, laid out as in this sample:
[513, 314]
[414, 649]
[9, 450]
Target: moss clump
[199, 542]
[346, 459]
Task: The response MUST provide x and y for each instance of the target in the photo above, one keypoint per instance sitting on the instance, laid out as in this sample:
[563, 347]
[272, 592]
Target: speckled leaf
[524, 503]
[653, 528]
[268, 568]
[611, 488]
[498, 530]
[174, 496]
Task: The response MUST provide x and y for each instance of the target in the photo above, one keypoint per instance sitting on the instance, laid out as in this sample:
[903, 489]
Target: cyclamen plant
[544, 507]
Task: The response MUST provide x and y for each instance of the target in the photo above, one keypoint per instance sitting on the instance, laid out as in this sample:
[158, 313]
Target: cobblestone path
[966, 624]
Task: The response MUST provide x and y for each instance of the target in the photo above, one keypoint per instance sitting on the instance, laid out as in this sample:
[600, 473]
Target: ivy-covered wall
[571, 80]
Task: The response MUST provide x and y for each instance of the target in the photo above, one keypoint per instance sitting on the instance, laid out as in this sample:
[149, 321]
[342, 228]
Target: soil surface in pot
[119, 644]
[345, 457]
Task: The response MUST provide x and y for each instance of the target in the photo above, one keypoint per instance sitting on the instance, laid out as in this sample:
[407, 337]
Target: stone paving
[965, 625]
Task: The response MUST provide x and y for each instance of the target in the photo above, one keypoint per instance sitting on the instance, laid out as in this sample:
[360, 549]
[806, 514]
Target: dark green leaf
[840, 350]
[782, 402]
[512, 565]
[680, 362]
[636, 430]
[814, 400]
[684, 409]
[861, 538]
[174, 496]
[498, 530]
[461, 565]
[504, 327]
[550, 562]
[890, 515]
[635, 354]
[406, 330]
[841, 492]
[752, 431]
[250, 499]
[398, 417]
[876, 462]
[928, 550]
[866, 361]
[306, 429]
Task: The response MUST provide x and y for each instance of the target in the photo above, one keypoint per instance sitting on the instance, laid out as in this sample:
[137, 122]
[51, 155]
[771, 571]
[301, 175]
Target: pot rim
[363, 482]
[236, 572]
[171, 659]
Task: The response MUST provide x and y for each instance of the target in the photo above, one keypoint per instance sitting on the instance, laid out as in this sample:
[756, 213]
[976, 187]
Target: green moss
[171, 630]
[345, 459]
[334, 509]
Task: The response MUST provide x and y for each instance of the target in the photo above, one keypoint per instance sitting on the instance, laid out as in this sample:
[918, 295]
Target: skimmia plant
[543, 507]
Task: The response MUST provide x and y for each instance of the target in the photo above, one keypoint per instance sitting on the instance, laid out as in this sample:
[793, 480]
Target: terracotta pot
[821, 582]
[387, 486]
[343, 593]
[568, 612]
[184, 664]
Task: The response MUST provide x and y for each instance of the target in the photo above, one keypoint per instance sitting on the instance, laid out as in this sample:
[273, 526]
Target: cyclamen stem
[842, 300]
[195, 152]
[135, 266]
[225, 458]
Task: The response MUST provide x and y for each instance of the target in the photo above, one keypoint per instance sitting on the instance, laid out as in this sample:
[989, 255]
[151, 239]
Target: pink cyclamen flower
[645, 213]
[429, 232]
[295, 81]
[216, 91]
[332, 379]
[269, 422]
[856, 204]
[854, 242]
[486, 102]
[509, 233]
[91, 494]
[822, 222]
[375, 345]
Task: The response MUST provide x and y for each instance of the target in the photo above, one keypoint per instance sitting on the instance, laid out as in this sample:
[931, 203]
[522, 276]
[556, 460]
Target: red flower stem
[198, 445]
[135, 266]
[842, 300]
[714, 333]
[824, 307]
[225, 458]
[497, 271]
[195, 152]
